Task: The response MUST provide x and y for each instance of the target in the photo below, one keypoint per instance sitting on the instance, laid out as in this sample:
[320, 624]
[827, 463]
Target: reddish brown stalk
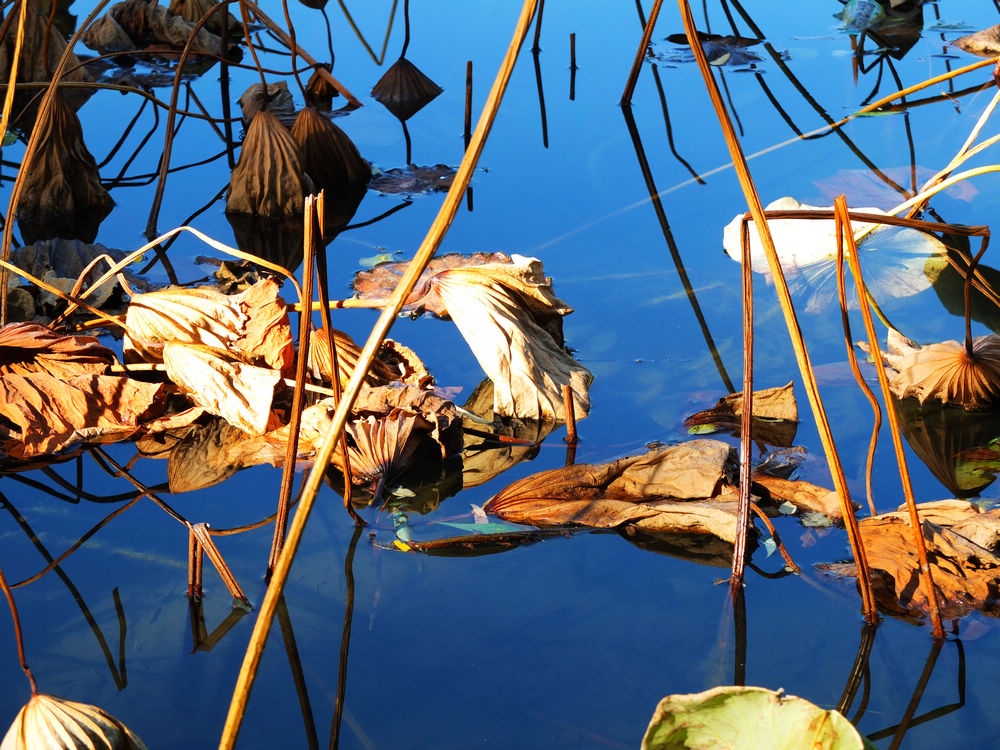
[853, 360]
[784, 298]
[200, 531]
[746, 423]
[640, 54]
[926, 578]
[194, 566]
[17, 632]
[789, 562]
[298, 399]
[567, 394]
[467, 132]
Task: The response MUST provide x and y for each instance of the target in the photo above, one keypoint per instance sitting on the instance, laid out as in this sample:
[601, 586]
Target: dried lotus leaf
[319, 91]
[328, 155]
[404, 90]
[27, 347]
[254, 322]
[62, 194]
[947, 373]
[267, 180]
[136, 24]
[383, 447]
[277, 100]
[193, 10]
[347, 358]
[507, 315]
[49, 722]
[238, 392]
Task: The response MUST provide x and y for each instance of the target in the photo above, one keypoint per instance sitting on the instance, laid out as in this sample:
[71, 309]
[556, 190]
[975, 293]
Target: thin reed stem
[18, 635]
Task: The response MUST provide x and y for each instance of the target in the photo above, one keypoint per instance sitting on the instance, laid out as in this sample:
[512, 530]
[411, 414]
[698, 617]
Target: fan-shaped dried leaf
[192, 11]
[379, 282]
[253, 322]
[507, 314]
[440, 413]
[136, 24]
[966, 575]
[63, 180]
[238, 392]
[278, 102]
[328, 156]
[267, 180]
[53, 413]
[947, 373]
[413, 179]
[384, 447]
[643, 490]
[50, 722]
[404, 90]
[320, 365]
[27, 348]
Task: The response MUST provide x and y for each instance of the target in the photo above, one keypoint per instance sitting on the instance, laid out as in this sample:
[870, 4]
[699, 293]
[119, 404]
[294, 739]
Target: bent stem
[926, 579]
[17, 632]
[446, 214]
[784, 297]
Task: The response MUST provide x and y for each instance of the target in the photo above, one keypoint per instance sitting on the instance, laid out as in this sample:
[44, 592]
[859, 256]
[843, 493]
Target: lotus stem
[425, 252]
[784, 298]
[640, 54]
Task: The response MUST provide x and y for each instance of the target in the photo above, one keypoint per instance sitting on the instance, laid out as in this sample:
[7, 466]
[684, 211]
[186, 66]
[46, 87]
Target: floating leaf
[135, 24]
[719, 50]
[747, 718]
[947, 373]
[29, 348]
[893, 258]
[254, 323]
[966, 576]
[507, 315]
[347, 358]
[205, 456]
[774, 409]
[674, 489]
[267, 180]
[413, 179]
[49, 722]
[800, 494]
[239, 392]
[985, 43]
[446, 424]
[52, 413]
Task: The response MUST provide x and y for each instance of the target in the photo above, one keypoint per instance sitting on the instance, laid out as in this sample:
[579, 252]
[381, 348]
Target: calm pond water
[571, 642]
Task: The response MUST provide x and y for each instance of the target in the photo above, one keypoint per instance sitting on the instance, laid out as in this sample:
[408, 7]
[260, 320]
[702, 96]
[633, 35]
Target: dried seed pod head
[404, 90]
[948, 373]
[49, 722]
[62, 194]
[268, 179]
[319, 91]
[328, 155]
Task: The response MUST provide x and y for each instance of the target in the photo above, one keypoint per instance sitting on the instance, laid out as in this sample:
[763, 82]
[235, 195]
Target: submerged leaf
[49, 722]
[747, 718]
[893, 258]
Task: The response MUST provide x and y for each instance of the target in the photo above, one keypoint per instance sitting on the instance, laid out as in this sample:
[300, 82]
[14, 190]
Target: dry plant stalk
[781, 287]
[425, 252]
[927, 581]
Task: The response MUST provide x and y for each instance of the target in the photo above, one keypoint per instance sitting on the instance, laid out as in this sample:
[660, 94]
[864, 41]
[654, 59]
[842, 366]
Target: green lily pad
[747, 718]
